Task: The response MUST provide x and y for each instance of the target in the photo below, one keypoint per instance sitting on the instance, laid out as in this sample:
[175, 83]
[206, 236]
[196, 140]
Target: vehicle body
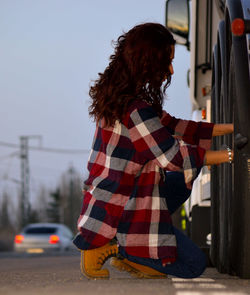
[43, 237]
[220, 86]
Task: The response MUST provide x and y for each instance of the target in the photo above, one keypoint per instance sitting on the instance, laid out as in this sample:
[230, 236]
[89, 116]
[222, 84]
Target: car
[43, 237]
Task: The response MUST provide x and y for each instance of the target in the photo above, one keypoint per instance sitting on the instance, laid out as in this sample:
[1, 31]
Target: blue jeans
[191, 261]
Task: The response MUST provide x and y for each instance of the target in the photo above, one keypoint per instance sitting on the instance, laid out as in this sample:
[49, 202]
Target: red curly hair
[136, 70]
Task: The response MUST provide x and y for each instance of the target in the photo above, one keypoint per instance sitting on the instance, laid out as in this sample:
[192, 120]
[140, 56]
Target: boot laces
[104, 256]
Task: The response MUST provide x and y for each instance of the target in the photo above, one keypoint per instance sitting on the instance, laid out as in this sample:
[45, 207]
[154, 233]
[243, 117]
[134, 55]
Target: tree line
[60, 205]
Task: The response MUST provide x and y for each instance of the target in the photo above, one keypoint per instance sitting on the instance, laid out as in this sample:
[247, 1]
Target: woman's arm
[218, 157]
[221, 129]
[192, 132]
[153, 142]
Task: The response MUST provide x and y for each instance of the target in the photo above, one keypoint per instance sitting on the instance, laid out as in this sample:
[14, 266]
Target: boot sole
[123, 266]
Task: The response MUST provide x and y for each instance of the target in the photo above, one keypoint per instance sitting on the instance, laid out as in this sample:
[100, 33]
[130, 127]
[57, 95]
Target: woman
[142, 165]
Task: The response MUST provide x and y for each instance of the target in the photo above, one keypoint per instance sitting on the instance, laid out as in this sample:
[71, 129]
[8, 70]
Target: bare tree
[41, 204]
[7, 230]
[71, 197]
[54, 206]
[5, 220]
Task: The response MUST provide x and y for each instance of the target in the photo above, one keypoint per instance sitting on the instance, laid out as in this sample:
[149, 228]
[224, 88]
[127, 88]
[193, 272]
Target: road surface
[60, 274]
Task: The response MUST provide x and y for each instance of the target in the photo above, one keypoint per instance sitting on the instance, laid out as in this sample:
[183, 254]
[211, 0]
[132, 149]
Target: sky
[50, 52]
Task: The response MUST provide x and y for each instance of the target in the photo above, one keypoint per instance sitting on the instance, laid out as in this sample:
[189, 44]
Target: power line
[14, 154]
[58, 150]
[46, 149]
[9, 144]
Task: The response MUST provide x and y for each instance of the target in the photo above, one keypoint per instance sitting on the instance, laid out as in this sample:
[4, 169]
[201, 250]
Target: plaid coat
[121, 196]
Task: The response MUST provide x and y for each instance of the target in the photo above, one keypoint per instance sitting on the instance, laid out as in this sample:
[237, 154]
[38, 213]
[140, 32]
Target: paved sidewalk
[61, 275]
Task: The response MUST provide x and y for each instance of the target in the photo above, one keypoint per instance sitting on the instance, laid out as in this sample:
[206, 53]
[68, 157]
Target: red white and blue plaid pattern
[121, 196]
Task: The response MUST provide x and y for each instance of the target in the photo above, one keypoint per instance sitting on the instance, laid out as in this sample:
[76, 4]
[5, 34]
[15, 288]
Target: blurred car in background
[43, 237]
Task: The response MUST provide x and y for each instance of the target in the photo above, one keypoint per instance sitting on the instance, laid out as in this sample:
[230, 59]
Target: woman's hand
[221, 129]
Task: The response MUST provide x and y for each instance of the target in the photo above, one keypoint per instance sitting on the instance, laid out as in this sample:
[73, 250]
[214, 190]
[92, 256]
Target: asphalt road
[60, 274]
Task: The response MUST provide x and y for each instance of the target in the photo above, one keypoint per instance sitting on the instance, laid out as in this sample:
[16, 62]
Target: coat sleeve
[154, 142]
[192, 132]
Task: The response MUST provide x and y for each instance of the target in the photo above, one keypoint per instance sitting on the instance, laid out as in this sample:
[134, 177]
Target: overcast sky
[50, 52]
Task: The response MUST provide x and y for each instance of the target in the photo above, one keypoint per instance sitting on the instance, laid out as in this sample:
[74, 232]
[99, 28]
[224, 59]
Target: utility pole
[25, 206]
[71, 197]
[25, 177]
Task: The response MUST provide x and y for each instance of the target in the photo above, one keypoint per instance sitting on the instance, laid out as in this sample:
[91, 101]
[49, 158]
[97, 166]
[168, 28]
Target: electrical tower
[25, 203]
[25, 178]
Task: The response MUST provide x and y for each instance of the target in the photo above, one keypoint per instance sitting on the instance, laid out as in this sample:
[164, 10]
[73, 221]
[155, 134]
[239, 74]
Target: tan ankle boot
[93, 260]
[136, 270]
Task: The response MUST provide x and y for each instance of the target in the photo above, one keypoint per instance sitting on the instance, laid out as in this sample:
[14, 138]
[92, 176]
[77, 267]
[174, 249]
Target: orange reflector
[19, 239]
[203, 114]
[53, 239]
[238, 26]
